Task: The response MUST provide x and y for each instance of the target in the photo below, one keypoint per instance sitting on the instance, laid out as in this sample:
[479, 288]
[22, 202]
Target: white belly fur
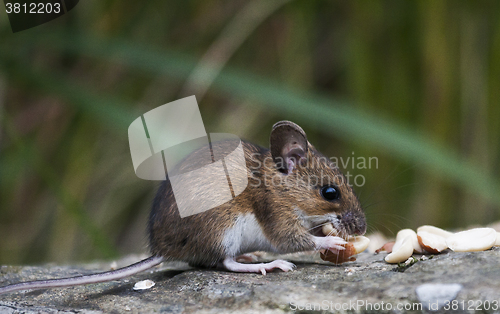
[245, 236]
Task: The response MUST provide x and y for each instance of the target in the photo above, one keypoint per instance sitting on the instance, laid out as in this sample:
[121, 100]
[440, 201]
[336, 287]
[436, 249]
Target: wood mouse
[293, 190]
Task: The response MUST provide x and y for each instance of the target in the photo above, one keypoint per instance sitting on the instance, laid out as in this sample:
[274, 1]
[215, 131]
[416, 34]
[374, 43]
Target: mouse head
[309, 184]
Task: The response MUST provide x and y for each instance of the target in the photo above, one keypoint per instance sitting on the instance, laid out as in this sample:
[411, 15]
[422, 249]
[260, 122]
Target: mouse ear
[288, 144]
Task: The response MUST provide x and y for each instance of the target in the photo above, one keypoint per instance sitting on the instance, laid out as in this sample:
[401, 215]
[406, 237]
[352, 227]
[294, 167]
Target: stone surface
[314, 286]
[439, 294]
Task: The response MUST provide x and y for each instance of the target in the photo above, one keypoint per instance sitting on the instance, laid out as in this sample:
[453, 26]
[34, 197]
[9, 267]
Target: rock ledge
[366, 285]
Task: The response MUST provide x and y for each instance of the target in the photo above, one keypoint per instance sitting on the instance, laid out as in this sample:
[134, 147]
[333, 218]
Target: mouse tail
[86, 279]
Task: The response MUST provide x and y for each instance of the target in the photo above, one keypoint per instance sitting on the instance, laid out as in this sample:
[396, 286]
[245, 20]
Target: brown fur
[198, 238]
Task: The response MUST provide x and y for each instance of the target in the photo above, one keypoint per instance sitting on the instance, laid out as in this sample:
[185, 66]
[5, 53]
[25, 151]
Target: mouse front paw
[330, 243]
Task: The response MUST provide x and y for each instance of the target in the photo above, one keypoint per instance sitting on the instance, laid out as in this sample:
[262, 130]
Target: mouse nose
[353, 223]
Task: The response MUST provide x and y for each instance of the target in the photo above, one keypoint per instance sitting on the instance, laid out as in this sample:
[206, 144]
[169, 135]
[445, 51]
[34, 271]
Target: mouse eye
[330, 193]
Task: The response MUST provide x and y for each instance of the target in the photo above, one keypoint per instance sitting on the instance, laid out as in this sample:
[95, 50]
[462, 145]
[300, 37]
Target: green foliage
[415, 84]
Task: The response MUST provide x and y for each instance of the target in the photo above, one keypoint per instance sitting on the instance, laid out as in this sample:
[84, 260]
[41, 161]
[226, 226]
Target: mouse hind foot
[232, 265]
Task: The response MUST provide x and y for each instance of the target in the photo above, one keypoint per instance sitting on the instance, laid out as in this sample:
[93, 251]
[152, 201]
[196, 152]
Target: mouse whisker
[317, 226]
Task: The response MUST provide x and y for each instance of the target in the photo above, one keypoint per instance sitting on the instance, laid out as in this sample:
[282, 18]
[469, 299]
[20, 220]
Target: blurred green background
[414, 83]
